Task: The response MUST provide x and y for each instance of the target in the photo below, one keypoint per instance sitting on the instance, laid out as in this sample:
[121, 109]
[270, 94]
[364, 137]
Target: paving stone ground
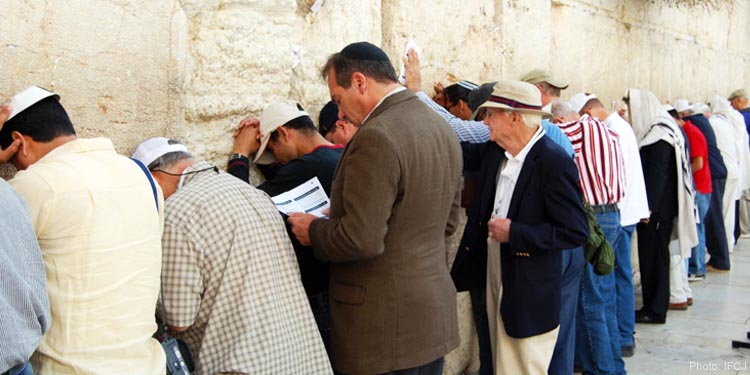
[699, 340]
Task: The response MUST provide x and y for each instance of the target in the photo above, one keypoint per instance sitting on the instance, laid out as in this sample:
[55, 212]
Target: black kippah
[364, 51]
[327, 119]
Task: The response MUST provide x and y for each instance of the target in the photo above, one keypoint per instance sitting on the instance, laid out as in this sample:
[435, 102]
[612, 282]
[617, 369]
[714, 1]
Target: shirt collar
[192, 171]
[81, 145]
[394, 91]
[525, 150]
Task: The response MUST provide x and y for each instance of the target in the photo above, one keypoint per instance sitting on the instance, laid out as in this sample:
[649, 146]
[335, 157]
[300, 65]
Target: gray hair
[549, 89]
[531, 120]
[562, 109]
[169, 159]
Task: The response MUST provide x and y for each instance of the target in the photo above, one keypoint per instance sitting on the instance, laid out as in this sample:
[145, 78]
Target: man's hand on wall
[413, 74]
[6, 154]
[247, 137]
[439, 97]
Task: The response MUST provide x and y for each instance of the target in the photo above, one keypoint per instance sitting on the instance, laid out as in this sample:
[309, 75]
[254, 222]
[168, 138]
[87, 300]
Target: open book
[309, 197]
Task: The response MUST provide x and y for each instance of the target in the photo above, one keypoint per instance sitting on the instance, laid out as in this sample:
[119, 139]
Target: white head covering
[721, 108]
[652, 123]
[645, 112]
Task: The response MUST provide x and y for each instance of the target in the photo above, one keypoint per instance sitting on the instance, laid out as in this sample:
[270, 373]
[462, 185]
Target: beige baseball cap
[275, 115]
[741, 93]
[541, 75]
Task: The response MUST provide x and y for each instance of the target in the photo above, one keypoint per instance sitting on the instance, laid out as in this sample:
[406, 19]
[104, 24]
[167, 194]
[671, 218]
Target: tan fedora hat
[515, 96]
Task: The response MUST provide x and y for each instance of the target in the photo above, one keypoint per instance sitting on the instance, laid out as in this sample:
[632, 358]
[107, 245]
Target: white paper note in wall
[410, 44]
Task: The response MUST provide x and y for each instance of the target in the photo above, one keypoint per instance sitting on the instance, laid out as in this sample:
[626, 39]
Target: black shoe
[648, 318]
[628, 351]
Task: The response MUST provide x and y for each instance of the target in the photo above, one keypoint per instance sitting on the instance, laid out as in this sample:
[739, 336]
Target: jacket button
[466, 248]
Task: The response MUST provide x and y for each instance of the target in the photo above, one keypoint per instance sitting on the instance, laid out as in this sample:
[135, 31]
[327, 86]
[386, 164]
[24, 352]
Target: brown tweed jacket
[394, 200]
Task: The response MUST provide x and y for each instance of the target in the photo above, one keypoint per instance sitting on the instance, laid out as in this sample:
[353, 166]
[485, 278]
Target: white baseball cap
[579, 100]
[27, 98]
[275, 115]
[150, 150]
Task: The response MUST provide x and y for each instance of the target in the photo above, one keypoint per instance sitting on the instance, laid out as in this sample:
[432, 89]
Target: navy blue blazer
[546, 217]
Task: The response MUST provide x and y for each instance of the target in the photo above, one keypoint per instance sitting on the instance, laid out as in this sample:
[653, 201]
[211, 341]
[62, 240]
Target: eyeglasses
[487, 114]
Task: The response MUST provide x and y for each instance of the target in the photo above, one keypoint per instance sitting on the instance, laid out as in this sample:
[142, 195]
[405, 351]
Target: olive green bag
[597, 250]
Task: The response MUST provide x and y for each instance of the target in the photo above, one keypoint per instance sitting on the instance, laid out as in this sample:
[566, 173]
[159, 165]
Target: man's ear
[283, 133]
[359, 81]
[24, 147]
[340, 125]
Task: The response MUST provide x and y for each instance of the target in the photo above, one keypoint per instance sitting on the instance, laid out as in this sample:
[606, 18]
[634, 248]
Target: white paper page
[410, 44]
[309, 197]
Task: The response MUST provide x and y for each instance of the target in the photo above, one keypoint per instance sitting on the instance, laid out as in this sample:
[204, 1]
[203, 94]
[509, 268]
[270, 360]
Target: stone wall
[191, 69]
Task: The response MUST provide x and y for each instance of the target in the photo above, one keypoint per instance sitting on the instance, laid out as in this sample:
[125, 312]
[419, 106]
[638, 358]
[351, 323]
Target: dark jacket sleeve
[239, 168]
[472, 154]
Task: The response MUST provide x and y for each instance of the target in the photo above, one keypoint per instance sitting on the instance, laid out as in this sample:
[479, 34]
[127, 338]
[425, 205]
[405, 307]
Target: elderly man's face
[499, 121]
[739, 103]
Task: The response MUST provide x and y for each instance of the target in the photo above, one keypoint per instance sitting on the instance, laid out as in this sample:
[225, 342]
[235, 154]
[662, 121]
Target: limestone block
[109, 60]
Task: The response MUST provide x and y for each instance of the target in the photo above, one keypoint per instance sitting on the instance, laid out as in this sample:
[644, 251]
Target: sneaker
[693, 278]
[690, 301]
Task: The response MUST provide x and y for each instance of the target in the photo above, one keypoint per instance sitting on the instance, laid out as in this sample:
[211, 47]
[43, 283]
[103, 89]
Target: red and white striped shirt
[597, 154]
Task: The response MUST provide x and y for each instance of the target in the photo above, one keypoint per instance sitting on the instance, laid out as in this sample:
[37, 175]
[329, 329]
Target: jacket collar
[394, 97]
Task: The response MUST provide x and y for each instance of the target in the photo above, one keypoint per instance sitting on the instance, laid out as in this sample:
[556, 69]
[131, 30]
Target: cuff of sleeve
[238, 159]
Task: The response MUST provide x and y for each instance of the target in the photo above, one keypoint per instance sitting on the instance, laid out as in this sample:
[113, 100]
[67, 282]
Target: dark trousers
[320, 306]
[653, 254]
[716, 235]
[482, 325]
[433, 368]
[737, 229]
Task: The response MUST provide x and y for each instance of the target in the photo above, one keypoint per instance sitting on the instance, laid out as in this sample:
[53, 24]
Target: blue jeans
[572, 271]
[697, 262]
[597, 335]
[625, 290]
[24, 369]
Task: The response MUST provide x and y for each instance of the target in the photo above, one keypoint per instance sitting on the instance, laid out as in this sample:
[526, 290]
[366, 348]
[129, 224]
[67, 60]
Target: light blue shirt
[477, 132]
[24, 304]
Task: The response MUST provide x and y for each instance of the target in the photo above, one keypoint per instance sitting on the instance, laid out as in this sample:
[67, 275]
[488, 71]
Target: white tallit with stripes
[651, 124]
[720, 107]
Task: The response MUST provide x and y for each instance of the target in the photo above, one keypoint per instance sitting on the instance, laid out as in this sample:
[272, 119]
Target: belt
[604, 208]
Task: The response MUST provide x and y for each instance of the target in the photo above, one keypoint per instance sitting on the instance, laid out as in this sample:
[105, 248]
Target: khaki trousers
[511, 356]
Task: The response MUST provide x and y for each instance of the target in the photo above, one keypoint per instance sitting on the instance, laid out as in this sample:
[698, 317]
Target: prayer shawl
[651, 124]
[721, 108]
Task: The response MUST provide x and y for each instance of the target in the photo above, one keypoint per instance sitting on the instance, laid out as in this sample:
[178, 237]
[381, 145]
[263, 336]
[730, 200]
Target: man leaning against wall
[99, 231]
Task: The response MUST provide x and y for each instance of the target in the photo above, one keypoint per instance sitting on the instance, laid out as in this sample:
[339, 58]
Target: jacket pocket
[348, 293]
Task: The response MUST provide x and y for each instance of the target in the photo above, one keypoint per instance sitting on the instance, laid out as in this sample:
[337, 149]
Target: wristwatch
[236, 156]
